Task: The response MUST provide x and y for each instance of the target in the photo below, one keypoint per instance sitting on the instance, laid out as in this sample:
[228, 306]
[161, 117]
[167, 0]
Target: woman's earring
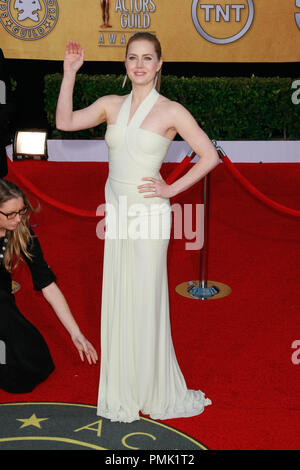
[155, 80]
[124, 81]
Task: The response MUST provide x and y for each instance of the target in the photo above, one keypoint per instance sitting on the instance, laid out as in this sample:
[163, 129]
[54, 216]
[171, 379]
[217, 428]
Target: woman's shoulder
[113, 99]
[112, 105]
[170, 105]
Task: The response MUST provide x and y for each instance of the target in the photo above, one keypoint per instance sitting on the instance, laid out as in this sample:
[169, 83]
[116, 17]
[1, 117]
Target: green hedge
[226, 108]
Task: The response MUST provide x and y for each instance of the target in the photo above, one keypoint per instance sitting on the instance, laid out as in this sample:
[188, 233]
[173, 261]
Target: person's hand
[85, 347]
[74, 57]
[156, 188]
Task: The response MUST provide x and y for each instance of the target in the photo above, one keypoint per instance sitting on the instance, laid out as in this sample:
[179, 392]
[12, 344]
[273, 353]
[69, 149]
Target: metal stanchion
[204, 289]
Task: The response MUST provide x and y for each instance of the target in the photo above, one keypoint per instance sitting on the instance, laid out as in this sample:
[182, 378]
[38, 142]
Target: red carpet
[237, 349]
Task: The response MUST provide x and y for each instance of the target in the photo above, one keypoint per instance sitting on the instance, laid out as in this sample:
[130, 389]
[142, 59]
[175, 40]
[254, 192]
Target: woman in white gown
[139, 369]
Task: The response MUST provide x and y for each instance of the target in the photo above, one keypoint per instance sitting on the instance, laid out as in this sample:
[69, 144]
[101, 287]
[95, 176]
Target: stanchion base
[201, 292]
[15, 287]
[213, 290]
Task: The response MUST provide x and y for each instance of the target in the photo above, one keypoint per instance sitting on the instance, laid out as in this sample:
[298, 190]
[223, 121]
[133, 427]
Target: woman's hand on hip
[156, 188]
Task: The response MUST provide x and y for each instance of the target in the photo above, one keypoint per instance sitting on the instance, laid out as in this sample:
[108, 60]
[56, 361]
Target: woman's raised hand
[74, 57]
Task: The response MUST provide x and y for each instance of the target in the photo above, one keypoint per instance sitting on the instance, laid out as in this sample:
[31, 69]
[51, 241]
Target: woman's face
[11, 207]
[142, 62]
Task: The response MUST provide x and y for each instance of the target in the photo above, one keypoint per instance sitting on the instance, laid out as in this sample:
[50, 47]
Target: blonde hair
[18, 239]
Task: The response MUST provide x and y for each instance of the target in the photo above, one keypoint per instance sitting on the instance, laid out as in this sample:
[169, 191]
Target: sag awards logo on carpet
[66, 426]
[28, 19]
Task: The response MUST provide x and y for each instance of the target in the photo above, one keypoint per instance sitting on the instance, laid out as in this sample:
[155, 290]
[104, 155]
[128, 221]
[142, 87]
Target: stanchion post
[204, 289]
[204, 250]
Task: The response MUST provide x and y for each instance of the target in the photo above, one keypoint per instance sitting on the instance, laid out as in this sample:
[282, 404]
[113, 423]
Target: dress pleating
[139, 370]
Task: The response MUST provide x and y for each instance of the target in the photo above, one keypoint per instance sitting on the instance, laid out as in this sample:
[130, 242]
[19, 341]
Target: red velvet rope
[180, 168]
[255, 192]
[47, 199]
[242, 180]
[171, 178]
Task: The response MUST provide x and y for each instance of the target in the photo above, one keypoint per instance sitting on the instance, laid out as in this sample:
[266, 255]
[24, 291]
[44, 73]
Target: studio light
[30, 144]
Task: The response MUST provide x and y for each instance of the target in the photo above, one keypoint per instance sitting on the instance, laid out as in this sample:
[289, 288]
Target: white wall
[237, 151]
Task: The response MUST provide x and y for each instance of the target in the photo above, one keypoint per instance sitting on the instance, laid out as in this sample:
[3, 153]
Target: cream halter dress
[139, 369]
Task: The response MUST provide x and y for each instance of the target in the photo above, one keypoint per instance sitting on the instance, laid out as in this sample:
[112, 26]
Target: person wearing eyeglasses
[28, 361]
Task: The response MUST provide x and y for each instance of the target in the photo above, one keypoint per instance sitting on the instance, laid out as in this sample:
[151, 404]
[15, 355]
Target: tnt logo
[2, 92]
[222, 21]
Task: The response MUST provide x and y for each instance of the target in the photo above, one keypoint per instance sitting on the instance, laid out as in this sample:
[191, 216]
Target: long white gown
[139, 369]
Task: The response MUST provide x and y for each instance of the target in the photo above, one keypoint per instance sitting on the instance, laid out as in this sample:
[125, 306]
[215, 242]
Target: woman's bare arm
[56, 299]
[66, 118]
[182, 122]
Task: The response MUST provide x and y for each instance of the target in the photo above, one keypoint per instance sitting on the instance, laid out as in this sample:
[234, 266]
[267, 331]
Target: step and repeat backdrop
[189, 30]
